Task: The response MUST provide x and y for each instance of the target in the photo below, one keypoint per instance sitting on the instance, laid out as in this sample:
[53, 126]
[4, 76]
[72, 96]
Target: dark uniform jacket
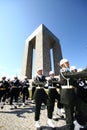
[25, 84]
[82, 90]
[53, 82]
[77, 75]
[4, 85]
[81, 106]
[68, 95]
[40, 81]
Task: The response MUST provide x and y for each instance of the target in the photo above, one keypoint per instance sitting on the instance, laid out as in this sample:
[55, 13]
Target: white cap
[15, 77]
[72, 68]
[39, 69]
[51, 72]
[79, 70]
[25, 77]
[63, 61]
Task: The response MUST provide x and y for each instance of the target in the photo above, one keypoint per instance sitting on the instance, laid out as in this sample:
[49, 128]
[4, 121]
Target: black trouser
[7, 93]
[25, 93]
[14, 93]
[52, 95]
[2, 95]
[40, 97]
[81, 112]
[33, 90]
[69, 110]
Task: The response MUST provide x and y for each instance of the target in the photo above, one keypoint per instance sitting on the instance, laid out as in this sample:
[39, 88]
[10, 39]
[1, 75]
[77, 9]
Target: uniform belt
[50, 87]
[2, 88]
[67, 87]
[39, 87]
[14, 86]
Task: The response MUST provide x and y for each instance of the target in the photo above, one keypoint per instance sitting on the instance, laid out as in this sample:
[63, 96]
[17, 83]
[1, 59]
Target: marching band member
[3, 91]
[25, 91]
[14, 92]
[40, 95]
[81, 104]
[52, 95]
[68, 96]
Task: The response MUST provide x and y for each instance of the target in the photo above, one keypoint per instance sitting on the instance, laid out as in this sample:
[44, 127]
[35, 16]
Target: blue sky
[67, 19]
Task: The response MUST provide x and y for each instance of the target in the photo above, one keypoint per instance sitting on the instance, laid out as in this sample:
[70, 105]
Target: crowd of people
[10, 90]
[72, 96]
[69, 89]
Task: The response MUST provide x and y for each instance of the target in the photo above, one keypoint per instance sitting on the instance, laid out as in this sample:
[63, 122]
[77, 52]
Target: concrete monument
[37, 53]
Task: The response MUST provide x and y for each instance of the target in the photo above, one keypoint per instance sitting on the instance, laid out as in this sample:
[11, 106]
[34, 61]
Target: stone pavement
[22, 118]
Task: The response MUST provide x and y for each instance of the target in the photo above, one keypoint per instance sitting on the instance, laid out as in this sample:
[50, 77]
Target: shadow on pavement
[19, 111]
[49, 128]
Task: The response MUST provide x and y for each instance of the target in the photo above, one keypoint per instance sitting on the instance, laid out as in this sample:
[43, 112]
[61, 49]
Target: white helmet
[63, 61]
[39, 69]
[72, 68]
[25, 77]
[51, 72]
[79, 70]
